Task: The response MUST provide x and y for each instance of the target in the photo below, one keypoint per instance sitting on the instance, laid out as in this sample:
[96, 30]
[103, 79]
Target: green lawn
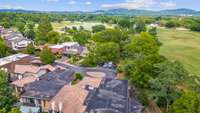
[87, 25]
[183, 46]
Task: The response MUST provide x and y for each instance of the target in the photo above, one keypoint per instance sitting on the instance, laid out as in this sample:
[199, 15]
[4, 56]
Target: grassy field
[183, 46]
[86, 25]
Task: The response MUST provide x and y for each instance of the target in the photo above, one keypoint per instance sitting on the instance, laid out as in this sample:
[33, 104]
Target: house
[22, 65]
[112, 96]
[68, 48]
[40, 92]
[95, 94]
[70, 99]
[12, 58]
[29, 70]
[72, 48]
[14, 39]
[20, 84]
[57, 49]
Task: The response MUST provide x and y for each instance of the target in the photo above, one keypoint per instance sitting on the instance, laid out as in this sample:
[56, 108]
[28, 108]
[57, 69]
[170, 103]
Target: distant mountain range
[133, 12]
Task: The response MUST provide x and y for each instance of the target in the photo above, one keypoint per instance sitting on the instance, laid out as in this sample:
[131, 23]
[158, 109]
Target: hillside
[134, 12]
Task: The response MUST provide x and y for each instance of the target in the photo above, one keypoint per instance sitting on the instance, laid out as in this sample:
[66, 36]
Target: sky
[92, 5]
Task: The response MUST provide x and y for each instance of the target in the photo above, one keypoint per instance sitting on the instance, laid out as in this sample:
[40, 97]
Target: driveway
[83, 70]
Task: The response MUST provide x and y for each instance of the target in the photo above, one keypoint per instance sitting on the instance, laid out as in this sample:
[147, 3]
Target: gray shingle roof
[111, 97]
[49, 84]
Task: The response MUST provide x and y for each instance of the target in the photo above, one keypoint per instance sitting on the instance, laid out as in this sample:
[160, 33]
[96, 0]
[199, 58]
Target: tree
[46, 56]
[30, 49]
[53, 37]
[14, 110]
[140, 26]
[195, 27]
[3, 49]
[82, 37]
[7, 99]
[153, 31]
[125, 23]
[188, 103]
[29, 30]
[5, 24]
[112, 35]
[171, 24]
[64, 38]
[20, 26]
[143, 44]
[164, 85]
[79, 76]
[74, 28]
[81, 28]
[2, 111]
[102, 53]
[140, 56]
[43, 29]
[98, 28]
[138, 71]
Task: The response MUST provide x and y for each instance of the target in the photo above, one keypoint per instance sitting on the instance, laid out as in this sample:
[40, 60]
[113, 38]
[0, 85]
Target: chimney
[60, 106]
[53, 107]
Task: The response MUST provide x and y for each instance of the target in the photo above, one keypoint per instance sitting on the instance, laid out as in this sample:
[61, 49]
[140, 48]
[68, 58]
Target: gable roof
[10, 67]
[24, 81]
[13, 58]
[111, 97]
[73, 97]
[21, 69]
[49, 84]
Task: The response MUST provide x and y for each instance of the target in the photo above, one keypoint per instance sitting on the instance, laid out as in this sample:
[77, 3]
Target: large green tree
[65, 38]
[118, 36]
[7, 99]
[46, 56]
[98, 28]
[102, 53]
[82, 37]
[30, 49]
[43, 29]
[29, 31]
[140, 56]
[3, 49]
[53, 37]
[188, 103]
[20, 26]
[125, 23]
[143, 44]
[164, 85]
[140, 26]
[14, 110]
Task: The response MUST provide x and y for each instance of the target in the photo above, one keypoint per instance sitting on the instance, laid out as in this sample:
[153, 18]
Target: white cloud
[72, 2]
[11, 7]
[88, 3]
[52, 0]
[169, 4]
[131, 4]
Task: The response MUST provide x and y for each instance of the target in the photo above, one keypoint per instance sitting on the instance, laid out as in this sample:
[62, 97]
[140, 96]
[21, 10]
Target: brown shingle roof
[11, 66]
[24, 81]
[21, 69]
[73, 97]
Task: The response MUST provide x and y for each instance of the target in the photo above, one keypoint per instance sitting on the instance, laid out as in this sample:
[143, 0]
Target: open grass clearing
[87, 25]
[181, 45]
